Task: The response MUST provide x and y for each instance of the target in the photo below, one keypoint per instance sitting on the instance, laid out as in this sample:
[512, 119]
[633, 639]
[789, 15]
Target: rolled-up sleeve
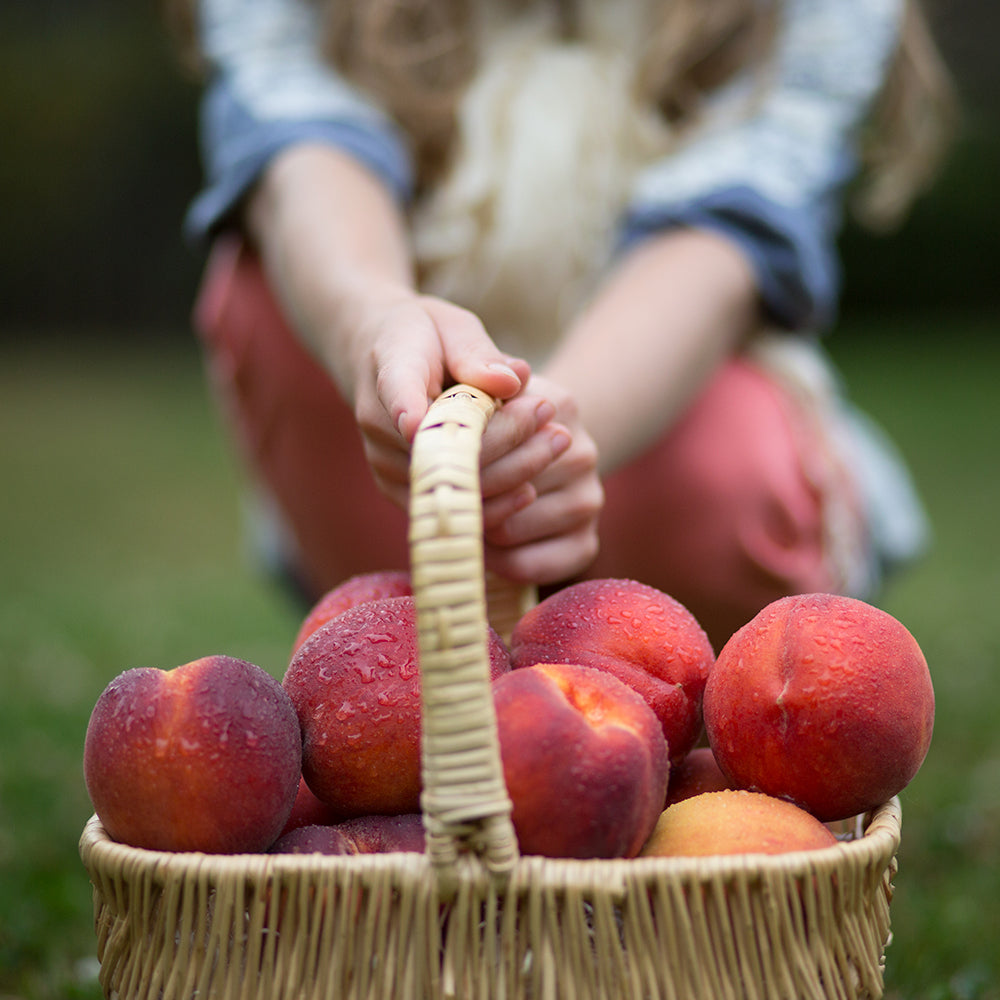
[269, 89]
[772, 180]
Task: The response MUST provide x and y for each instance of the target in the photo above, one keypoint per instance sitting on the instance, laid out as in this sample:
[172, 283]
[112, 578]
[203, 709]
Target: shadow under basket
[472, 918]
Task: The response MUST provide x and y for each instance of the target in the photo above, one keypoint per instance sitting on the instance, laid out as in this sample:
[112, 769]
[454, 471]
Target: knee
[724, 513]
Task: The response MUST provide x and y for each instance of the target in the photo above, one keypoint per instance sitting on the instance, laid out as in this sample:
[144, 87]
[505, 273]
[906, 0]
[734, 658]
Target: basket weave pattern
[471, 918]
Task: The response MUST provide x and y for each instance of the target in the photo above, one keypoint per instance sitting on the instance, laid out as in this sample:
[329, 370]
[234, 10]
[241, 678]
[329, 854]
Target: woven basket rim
[881, 838]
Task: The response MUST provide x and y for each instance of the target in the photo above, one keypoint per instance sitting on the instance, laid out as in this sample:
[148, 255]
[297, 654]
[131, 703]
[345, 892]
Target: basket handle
[464, 800]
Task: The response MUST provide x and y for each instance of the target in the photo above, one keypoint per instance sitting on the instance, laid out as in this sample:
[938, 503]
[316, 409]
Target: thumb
[471, 356]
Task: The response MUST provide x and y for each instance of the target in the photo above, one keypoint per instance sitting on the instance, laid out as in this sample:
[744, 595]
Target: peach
[361, 835]
[584, 761]
[316, 838]
[637, 633]
[822, 700]
[355, 684]
[307, 810]
[698, 772]
[204, 757]
[733, 821]
[357, 590]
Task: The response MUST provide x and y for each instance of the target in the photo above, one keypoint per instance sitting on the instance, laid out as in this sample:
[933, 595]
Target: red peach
[584, 760]
[361, 835]
[355, 684]
[698, 772]
[357, 590]
[735, 822]
[316, 838]
[633, 631]
[307, 810]
[822, 700]
[204, 757]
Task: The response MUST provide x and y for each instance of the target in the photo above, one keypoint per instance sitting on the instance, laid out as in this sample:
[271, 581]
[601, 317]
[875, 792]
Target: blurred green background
[119, 541]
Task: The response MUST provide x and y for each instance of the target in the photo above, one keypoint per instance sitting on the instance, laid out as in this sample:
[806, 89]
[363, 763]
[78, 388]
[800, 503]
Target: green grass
[120, 547]
[932, 385]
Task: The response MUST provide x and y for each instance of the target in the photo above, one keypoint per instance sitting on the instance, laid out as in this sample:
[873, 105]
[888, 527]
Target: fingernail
[544, 412]
[502, 369]
[400, 420]
[559, 442]
[525, 497]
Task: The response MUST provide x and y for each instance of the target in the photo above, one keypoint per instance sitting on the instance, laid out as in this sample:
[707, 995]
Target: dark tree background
[99, 160]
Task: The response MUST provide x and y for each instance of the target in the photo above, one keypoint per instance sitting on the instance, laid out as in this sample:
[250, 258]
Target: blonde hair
[416, 57]
[910, 130]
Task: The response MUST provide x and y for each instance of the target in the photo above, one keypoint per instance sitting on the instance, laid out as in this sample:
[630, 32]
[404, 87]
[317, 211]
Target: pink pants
[720, 513]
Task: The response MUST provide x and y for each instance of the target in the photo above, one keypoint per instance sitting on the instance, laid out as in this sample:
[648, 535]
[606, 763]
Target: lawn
[120, 548]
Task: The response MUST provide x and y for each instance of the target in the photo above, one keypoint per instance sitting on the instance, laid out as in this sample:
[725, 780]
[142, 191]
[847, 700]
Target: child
[618, 218]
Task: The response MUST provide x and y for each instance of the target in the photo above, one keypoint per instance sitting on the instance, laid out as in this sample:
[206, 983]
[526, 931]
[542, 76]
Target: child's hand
[551, 534]
[405, 352]
[540, 487]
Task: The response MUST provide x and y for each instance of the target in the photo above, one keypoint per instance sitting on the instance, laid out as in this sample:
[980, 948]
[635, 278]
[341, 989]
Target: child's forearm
[332, 240]
[672, 310]
[335, 248]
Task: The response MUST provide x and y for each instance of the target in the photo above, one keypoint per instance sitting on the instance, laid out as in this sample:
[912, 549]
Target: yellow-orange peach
[584, 761]
[735, 822]
[637, 633]
[698, 772]
[355, 684]
[204, 757]
[357, 590]
[822, 700]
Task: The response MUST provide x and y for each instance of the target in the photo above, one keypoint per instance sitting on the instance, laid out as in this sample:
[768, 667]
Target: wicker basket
[471, 918]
